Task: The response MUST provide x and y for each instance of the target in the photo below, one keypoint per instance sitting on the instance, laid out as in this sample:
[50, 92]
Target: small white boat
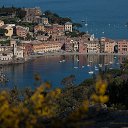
[88, 65]
[96, 69]
[100, 65]
[111, 62]
[82, 66]
[75, 67]
[60, 61]
[115, 57]
[90, 72]
[77, 60]
[110, 68]
[63, 60]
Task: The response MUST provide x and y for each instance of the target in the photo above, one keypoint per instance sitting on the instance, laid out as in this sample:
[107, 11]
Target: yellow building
[9, 31]
[1, 23]
[39, 27]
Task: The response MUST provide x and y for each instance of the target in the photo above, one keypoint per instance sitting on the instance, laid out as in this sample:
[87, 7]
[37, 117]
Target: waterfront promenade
[74, 53]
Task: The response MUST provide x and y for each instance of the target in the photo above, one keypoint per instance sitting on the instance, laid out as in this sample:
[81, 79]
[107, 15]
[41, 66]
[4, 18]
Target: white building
[7, 53]
[68, 26]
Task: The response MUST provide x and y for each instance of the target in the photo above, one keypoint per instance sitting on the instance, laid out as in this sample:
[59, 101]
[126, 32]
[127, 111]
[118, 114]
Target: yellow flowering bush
[27, 112]
[100, 90]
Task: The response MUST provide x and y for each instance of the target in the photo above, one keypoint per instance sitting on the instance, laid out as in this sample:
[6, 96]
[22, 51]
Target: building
[93, 46]
[42, 47]
[22, 31]
[45, 20]
[33, 11]
[107, 45]
[58, 29]
[82, 47]
[27, 48]
[8, 53]
[1, 23]
[72, 44]
[49, 30]
[122, 46]
[68, 26]
[33, 15]
[39, 27]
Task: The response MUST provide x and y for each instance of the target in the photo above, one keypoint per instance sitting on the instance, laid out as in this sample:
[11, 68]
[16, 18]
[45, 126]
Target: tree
[68, 81]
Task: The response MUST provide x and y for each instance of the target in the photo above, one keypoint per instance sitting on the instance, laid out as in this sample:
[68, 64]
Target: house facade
[122, 46]
[68, 26]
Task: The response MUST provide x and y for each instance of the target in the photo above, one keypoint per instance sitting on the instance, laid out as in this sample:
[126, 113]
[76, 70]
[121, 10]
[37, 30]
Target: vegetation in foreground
[49, 108]
[94, 103]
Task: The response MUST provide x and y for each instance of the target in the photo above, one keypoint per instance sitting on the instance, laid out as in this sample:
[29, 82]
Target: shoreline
[31, 57]
[74, 53]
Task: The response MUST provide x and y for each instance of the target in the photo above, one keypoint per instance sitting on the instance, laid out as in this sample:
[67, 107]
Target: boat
[96, 69]
[63, 60]
[90, 61]
[100, 65]
[75, 67]
[90, 72]
[88, 65]
[82, 66]
[115, 57]
[60, 61]
[117, 63]
[111, 62]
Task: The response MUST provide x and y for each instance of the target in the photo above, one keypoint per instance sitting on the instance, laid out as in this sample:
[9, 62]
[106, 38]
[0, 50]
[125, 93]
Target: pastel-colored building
[27, 48]
[68, 26]
[1, 23]
[22, 31]
[42, 47]
[93, 46]
[39, 27]
[82, 47]
[33, 15]
[33, 11]
[45, 20]
[123, 46]
[9, 31]
[107, 45]
[7, 53]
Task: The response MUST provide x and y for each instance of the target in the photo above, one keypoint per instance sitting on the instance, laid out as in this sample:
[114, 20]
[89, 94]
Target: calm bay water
[50, 69]
[104, 17]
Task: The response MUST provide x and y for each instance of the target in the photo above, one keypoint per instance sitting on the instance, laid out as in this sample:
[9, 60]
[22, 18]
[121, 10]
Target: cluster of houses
[51, 38]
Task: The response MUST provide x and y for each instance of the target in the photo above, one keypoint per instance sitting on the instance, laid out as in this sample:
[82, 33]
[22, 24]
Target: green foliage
[55, 18]
[6, 42]
[2, 32]
[68, 81]
[20, 13]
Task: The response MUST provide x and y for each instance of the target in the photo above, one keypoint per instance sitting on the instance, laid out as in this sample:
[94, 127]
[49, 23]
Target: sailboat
[90, 72]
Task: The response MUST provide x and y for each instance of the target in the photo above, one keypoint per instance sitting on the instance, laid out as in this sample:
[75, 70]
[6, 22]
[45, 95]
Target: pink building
[22, 31]
[123, 46]
[82, 47]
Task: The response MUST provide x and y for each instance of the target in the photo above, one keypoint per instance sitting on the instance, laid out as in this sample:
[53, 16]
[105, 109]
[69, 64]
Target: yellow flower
[95, 98]
[103, 99]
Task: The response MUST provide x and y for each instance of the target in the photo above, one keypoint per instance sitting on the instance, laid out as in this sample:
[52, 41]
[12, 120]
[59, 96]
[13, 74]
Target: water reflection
[50, 68]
